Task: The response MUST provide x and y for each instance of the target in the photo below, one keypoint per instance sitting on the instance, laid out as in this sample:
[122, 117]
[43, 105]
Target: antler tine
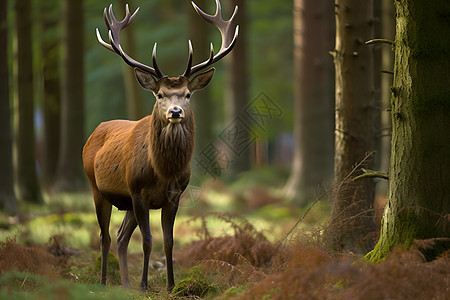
[189, 64]
[228, 37]
[114, 28]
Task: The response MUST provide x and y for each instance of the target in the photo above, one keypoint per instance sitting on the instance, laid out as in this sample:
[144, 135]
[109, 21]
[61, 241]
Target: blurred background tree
[312, 166]
[8, 201]
[133, 92]
[50, 73]
[201, 102]
[25, 144]
[70, 175]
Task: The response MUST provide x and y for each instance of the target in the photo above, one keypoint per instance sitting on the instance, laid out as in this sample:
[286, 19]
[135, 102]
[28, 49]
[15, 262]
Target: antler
[228, 38]
[225, 28]
[114, 28]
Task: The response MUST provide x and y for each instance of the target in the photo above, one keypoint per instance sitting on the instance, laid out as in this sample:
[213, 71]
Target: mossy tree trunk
[314, 106]
[353, 226]
[419, 173]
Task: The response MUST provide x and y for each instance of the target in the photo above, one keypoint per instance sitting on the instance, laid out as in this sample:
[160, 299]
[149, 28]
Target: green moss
[113, 263]
[196, 284]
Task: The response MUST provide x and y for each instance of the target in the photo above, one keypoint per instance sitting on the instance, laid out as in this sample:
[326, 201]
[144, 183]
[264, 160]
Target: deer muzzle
[175, 114]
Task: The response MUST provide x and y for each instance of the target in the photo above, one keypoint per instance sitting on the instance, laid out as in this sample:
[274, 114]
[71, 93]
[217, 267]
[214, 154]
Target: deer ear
[146, 80]
[201, 80]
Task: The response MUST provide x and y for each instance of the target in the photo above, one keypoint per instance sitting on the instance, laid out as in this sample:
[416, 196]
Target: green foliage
[196, 283]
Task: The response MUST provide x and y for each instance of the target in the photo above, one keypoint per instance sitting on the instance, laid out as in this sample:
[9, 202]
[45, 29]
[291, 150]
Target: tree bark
[135, 101]
[352, 226]
[237, 134]
[314, 119]
[418, 201]
[201, 102]
[25, 149]
[51, 101]
[70, 172]
[8, 201]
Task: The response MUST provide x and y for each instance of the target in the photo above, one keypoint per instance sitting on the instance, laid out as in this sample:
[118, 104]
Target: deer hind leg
[103, 209]
[168, 214]
[141, 213]
[123, 238]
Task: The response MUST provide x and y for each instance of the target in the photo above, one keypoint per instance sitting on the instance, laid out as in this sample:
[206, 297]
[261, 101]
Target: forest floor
[236, 240]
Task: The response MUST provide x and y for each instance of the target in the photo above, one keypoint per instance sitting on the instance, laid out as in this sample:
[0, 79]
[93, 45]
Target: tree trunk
[352, 226]
[25, 148]
[201, 102]
[419, 174]
[51, 100]
[314, 122]
[8, 201]
[135, 102]
[70, 171]
[237, 133]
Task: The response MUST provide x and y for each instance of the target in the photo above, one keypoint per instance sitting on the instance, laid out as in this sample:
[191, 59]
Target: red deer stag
[142, 165]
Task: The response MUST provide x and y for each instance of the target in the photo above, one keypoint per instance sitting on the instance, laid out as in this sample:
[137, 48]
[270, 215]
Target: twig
[371, 174]
[383, 41]
[387, 72]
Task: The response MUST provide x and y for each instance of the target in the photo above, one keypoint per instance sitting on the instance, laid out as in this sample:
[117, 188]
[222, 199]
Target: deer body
[141, 165]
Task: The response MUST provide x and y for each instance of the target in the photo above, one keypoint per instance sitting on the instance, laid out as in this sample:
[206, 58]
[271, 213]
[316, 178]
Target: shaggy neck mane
[172, 145]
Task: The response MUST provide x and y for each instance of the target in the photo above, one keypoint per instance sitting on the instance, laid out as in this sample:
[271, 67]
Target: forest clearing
[219, 255]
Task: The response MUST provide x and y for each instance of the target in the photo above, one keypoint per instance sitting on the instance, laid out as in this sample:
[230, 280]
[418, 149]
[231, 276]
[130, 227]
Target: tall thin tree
[237, 134]
[25, 149]
[314, 104]
[8, 201]
[70, 171]
[135, 101]
[198, 33]
[49, 16]
[355, 134]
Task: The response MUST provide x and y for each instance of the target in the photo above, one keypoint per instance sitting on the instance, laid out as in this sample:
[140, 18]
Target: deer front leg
[123, 238]
[141, 213]
[168, 214]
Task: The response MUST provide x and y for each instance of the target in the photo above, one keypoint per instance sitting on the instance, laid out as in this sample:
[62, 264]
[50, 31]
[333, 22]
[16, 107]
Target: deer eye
[188, 96]
[159, 96]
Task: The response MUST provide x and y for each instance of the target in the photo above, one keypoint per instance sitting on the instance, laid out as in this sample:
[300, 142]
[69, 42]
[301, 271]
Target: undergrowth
[242, 262]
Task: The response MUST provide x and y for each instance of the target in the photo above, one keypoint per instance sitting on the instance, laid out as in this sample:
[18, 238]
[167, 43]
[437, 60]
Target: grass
[52, 252]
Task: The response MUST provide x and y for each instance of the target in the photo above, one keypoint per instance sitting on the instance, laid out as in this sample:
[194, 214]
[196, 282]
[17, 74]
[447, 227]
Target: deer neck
[172, 145]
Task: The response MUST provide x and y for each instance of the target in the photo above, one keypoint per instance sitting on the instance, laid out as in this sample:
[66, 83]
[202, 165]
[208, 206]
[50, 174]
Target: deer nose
[176, 113]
